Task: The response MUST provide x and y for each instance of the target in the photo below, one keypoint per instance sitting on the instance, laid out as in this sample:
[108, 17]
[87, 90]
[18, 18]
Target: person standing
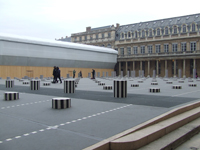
[58, 75]
[74, 73]
[80, 73]
[93, 74]
[54, 75]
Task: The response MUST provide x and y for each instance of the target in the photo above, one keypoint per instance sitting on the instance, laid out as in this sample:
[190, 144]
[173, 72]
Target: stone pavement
[30, 122]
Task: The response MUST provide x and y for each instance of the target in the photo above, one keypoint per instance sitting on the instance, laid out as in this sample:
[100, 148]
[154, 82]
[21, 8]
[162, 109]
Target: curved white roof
[39, 41]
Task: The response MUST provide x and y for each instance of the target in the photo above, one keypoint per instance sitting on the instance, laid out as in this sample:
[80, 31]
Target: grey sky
[50, 19]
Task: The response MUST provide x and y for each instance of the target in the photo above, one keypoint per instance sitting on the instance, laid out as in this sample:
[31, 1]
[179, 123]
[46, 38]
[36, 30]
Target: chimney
[117, 25]
[88, 29]
[66, 36]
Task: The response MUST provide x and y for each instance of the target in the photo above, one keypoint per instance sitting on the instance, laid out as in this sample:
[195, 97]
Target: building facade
[102, 36]
[166, 46]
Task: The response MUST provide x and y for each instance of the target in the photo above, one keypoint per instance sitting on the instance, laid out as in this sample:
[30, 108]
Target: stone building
[168, 46]
[101, 36]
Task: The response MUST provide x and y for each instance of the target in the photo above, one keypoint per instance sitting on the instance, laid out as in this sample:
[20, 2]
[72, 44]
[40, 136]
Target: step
[147, 135]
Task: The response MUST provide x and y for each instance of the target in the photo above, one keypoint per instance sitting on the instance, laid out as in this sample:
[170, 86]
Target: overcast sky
[50, 19]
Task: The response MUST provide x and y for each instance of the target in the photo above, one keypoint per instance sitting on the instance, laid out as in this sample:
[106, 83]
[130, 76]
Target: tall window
[193, 27]
[142, 49]
[158, 32]
[143, 34]
[192, 46]
[102, 35]
[132, 35]
[149, 49]
[150, 32]
[157, 48]
[129, 50]
[184, 28]
[122, 51]
[166, 48]
[129, 34]
[75, 38]
[135, 51]
[109, 35]
[166, 31]
[122, 35]
[80, 38]
[175, 29]
[85, 37]
[97, 36]
[183, 46]
[174, 47]
[136, 34]
[91, 37]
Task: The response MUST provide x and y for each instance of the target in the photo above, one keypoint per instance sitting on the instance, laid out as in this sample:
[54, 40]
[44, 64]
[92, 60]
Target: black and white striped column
[61, 103]
[120, 88]
[8, 96]
[9, 83]
[69, 86]
[35, 84]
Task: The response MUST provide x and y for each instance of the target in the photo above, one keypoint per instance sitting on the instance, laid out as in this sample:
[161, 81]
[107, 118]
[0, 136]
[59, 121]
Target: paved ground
[30, 122]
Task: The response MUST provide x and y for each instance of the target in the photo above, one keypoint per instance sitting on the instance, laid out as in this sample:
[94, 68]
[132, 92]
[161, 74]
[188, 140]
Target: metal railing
[179, 53]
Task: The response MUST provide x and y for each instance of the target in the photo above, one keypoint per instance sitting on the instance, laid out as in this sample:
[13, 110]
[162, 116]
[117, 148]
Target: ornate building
[102, 36]
[165, 45]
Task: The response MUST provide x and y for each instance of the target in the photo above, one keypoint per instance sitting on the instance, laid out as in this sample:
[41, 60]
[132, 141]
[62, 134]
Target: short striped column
[8, 96]
[134, 85]
[181, 81]
[46, 84]
[176, 87]
[101, 83]
[25, 82]
[140, 81]
[154, 90]
[169, 82]
[120, 88]
[192, 85]
[154, 83]
[69, 86]
[35, 84]
[107, 87]
[9, 83]
[61, 103]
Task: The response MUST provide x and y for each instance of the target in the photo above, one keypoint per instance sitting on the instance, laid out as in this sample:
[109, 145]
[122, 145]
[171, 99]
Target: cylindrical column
[157, 67]
[35, 84]
[133, 65]
[140, 65]
[126, 68]
[119, 68]
[61, 103]
[174, 68]
[8, 96]
[148, 68]
[194, 63]
[9, 83]
[69, 86]
[120, 88]
[184, 68]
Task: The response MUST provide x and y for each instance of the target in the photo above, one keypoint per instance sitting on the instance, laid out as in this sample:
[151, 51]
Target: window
[109, 35]
[142, 49]
[136, 34]
[97, 36]
[184, 28]
[129, 50]
[175, 30]
[150, 49]
[80, 38]
[135, 50]
[193, 46]
[75, 38]
[157, 48]
[122, 35]
[129, 34]
[158, 32]
[122, 51]
[150, 32]
[132, 34]
[85, 37]
[143, 34]
[183, 46]
[166, 31]
[193, 27]
[102, 35]
[166, 48]
[174, 47]
[91, 37]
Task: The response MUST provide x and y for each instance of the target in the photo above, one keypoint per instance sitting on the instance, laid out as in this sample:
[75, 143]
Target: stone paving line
[61, 124]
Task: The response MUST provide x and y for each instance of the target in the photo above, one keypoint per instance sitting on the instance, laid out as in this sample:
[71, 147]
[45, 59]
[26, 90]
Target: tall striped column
[35, 84]
[120, 88]
[69, 86]
[9, 83]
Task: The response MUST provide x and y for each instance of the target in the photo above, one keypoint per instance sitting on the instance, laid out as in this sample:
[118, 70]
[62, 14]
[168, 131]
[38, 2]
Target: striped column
[120, 88]
[9, 83]
[8, 96]
[61, 103]
[69, 86]
[35, 84]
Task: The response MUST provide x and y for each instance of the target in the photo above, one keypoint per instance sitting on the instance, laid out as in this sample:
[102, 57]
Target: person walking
[93, 74]
[54, 75]
[80, 73]
[58, 75]
[74, 73]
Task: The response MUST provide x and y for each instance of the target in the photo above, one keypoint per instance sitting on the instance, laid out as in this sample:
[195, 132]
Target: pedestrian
[80, 73]
[58, 75]
[196, 75]
[54, 75]
[74, 73]
[93, 74]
